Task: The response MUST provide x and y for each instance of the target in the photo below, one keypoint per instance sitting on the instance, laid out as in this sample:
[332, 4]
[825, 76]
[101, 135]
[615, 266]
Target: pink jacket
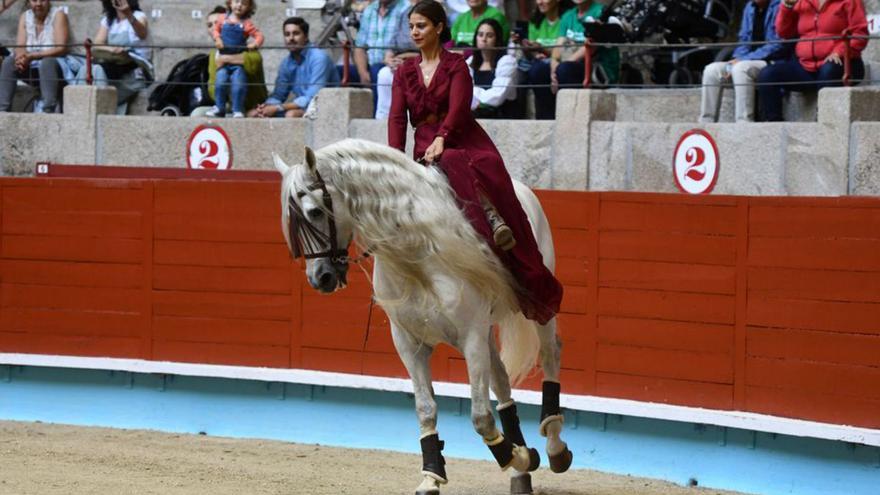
[806, 21]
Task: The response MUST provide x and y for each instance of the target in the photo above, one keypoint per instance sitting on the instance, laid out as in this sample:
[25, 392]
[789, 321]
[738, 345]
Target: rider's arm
[397, 113]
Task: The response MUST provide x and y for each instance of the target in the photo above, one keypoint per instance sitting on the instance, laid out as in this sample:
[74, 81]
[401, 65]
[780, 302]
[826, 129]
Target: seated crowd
[541, 54]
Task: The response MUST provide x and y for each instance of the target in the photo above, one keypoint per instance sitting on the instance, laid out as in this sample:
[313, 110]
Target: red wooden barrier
[769, 305]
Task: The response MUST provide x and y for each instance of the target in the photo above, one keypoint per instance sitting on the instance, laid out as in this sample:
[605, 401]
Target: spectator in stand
[758, 26]
[302, 74]
[535, 59]
[493, 72]
[40, 58]
[567, 62]
[251, 60]
[121, 51]
[404, 48]
[465, 26]
[820, 62]
[380, 22]
[233, 33]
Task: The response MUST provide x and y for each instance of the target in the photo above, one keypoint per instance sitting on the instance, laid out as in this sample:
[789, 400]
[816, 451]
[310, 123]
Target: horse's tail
[519, 346]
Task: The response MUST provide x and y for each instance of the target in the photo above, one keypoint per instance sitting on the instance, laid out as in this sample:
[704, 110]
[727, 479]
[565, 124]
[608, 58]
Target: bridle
[308, 241]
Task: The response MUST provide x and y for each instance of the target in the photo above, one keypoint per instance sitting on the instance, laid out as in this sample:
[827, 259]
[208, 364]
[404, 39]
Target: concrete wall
[590, 146]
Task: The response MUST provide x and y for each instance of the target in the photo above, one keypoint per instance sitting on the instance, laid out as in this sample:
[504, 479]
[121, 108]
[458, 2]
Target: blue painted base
[679, 452]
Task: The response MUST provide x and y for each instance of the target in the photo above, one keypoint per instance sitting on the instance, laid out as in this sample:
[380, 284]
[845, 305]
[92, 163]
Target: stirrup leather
[501, 233]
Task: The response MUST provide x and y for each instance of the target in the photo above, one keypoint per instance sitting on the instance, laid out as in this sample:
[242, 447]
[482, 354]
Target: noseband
[308, 241]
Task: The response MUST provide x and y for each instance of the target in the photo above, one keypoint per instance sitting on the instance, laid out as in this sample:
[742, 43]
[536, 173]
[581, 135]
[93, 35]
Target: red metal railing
[346, 62]
[88, 47]
[588, 62]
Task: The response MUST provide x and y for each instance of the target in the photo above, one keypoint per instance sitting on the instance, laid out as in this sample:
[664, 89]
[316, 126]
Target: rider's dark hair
[434, 12]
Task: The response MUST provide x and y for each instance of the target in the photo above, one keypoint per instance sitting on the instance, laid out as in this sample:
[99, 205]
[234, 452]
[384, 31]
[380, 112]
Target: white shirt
[46, 38]
[503, 86]
[121, 33]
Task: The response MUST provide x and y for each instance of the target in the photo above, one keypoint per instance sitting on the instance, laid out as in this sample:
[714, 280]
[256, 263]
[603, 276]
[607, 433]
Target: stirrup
[501, 233]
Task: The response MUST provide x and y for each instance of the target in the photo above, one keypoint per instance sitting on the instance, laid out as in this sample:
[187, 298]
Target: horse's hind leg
[416, 357]
[551, 415]
[520, 482]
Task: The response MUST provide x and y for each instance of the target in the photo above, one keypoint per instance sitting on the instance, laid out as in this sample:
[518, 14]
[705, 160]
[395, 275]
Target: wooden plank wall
[769, 305]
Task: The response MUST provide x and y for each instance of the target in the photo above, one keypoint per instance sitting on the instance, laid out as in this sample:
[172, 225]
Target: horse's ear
[310, 159]
[279, 164]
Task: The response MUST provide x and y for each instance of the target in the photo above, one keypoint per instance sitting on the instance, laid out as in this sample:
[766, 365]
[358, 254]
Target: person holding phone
[122, 51]
[819, 26]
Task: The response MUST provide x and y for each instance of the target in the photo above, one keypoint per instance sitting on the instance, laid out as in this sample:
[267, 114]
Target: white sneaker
[237, 115]
[214, 112]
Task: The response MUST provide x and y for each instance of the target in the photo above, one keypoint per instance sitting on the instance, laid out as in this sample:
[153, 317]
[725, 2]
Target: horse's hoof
[521, 485]
[534, 460]
[560, 462]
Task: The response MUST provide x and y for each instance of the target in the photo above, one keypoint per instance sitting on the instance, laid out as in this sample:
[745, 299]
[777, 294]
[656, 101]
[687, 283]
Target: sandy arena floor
[46, 459]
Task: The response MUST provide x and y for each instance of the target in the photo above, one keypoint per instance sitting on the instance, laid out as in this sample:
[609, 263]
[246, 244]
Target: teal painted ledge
[714, 456]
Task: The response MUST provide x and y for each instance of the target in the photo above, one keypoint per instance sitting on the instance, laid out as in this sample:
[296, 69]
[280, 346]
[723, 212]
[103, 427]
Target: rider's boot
[501, 233]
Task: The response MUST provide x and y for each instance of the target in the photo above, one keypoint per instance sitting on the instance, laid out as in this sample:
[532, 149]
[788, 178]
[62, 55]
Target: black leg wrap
[549, 400]
[510, 425]
[503, 452]
[432, 459]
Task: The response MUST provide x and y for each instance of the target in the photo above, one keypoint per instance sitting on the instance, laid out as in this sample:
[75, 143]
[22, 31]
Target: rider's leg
[501, 232]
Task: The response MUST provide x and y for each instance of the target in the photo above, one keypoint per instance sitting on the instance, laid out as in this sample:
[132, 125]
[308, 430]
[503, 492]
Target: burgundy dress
[472, 164]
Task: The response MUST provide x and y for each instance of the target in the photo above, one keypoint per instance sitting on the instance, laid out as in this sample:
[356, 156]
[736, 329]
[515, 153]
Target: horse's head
[315, 222]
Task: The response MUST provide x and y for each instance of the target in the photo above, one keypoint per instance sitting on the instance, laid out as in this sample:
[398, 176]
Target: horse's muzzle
[329, 277]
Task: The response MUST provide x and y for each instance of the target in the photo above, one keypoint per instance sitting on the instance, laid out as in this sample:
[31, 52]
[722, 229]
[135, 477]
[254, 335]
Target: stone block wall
[586, 148]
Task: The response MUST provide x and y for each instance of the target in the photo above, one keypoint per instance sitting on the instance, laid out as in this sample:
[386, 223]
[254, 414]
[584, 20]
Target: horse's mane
[406, 214]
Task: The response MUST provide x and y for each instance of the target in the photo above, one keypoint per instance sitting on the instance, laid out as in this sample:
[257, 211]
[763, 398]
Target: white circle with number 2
[209, 150]
[696, 164]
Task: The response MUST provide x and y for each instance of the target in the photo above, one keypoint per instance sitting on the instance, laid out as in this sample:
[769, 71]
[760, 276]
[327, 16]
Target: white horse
[437, 281]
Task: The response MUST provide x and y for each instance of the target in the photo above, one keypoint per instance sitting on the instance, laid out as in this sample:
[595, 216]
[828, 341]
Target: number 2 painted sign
[209, 149]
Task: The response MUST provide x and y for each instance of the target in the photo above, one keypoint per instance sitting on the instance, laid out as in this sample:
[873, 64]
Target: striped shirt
[380, 31]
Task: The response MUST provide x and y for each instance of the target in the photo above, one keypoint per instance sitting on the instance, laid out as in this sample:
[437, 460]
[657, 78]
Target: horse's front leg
[416, 357]
[477, 355]
[551, 414]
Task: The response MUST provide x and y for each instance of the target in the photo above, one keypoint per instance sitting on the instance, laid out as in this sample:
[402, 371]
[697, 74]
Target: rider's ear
[310, 159]
[279, 164]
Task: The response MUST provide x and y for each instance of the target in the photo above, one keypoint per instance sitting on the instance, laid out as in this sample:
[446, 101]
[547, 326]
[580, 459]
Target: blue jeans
[236, 75]
[770, 89]
[545, 101]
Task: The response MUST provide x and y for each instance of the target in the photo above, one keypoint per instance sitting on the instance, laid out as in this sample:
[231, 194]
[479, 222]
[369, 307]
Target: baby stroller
[185, 89]
[672, 22]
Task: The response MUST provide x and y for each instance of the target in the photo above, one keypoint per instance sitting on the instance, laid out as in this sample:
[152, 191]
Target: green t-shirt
[545, 34]
[465, 26]
[571, 28]
[253, 67]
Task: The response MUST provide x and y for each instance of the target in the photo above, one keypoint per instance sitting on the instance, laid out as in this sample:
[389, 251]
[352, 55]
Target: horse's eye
[315, 214]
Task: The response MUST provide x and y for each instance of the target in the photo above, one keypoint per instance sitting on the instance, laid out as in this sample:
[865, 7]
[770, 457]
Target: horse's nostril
[326, 279]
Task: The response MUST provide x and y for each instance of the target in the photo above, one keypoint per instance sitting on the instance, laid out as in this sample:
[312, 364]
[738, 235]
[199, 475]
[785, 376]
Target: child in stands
[232, 33]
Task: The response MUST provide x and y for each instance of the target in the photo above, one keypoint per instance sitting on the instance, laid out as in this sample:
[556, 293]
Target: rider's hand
[432, 154]
[218, 43]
